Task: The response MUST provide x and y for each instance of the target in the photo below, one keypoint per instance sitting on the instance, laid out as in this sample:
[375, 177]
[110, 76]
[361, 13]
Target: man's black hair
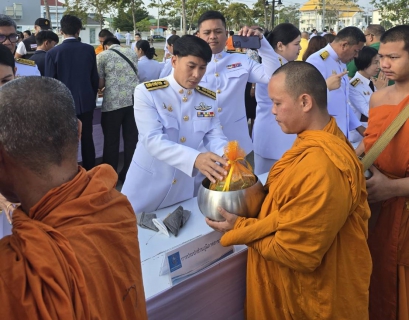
[189, 45]
[353, 35]
[171, 40]
[396, 34]
[105, 33]
[110, 41]
[70, 25]
[46, 35]
[211, 15]
[365, 57]
[6, 57]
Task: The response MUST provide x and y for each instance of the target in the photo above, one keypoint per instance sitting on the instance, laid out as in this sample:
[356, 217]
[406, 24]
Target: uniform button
[186, 118]
[181, 91]
[174, 181]
[218, 91]
[184, 99]
[183, 139]
[219, 109]
[216, 74]
[221, 127]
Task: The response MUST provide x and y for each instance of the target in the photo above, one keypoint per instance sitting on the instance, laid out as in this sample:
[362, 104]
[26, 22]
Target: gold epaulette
[324, 55]
[156, 84]
[26, 62]
[206, 92]
[355, 82]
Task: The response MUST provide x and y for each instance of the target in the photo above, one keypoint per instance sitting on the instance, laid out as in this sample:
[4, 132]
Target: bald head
[41, 131]
[305, 35]
[303, 78]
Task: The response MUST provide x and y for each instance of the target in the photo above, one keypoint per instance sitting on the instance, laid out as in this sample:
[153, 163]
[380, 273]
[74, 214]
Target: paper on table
[194, 256]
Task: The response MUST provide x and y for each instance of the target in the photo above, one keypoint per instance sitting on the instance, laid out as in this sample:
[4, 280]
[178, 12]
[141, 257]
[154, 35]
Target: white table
[217, 292]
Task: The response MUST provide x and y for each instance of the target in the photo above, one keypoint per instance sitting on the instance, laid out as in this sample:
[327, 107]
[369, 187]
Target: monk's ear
[306, 102]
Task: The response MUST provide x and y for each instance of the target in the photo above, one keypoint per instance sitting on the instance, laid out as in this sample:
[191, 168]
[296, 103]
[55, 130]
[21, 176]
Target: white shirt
[171, 125]
[21, 49]
[149, 69]
[128, 36]
[269, 140]
[26, 68]
[167, 69]
[359, 95]
[227, 74]
[327, 62]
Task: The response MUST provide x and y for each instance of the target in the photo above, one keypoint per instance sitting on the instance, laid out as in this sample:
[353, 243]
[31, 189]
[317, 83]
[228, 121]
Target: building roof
[347, 14]
[92, 22]
[338, 5]
[52, 3]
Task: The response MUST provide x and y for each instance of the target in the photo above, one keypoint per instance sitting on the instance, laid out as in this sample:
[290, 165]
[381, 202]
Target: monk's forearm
[400, 187]
[242, 222]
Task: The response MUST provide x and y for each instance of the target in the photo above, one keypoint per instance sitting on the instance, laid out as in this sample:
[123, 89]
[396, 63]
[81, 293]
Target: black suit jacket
[74, 64]
[39, 58]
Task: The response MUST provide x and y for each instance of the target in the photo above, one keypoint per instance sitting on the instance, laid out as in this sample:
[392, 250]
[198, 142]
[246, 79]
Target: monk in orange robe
[388, 188]
[99, 49]
[307, 252]
[73, 252]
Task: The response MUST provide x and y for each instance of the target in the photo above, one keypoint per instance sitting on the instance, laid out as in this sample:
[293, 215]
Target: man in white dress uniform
[228, 74]
[174, 116]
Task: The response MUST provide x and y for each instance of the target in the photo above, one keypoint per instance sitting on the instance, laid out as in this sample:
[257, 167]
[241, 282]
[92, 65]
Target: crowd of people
[69, 246]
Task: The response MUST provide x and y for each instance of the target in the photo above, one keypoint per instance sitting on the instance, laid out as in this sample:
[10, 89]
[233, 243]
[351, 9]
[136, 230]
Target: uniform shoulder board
[156, 84]
[206, 92]
[26, 62]
[355, 82]
[324, 55]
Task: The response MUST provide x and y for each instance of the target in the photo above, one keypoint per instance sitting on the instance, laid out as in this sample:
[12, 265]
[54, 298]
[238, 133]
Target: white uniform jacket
[269, 140]
[327, 62]
[172, 122]
[26, 68]
[359, 95]
[228, 74]
[167, 69]
[149, 69]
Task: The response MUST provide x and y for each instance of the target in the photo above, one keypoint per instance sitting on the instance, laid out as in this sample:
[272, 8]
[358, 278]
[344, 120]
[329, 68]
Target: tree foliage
[124, 19]
[396, 11]
[81, 8]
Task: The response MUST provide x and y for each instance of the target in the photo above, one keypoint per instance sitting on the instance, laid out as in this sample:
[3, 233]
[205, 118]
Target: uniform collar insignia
[203, 107]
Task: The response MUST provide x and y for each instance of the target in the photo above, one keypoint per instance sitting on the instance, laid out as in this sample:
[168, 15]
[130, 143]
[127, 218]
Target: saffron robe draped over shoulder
[389, 240]
[75, 255]
[307, 252]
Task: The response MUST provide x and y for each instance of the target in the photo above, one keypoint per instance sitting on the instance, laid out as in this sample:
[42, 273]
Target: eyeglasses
[12, 38]
[369, 34]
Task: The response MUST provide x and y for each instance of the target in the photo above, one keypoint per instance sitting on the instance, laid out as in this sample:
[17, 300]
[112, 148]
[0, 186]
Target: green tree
[290, 14]
[124, 19]
[81, 8]
[143, 25]
[237, 15]
[396, 11]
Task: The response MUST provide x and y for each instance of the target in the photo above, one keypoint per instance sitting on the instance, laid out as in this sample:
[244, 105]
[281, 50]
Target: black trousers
[87, 142]
[111, 123]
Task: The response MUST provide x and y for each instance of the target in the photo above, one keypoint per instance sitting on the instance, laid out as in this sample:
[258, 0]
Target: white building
[338, 14]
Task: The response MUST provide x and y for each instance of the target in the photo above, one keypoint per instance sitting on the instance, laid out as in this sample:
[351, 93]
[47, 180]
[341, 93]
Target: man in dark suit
[74, 64]
[46, 40]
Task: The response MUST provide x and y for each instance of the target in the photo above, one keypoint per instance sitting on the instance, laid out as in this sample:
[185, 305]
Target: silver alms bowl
[245, 203]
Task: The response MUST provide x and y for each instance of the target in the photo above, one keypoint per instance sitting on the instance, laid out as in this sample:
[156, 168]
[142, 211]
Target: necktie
[371, 85]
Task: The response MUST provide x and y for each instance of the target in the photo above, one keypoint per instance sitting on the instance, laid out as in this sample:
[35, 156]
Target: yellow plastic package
[240, 173]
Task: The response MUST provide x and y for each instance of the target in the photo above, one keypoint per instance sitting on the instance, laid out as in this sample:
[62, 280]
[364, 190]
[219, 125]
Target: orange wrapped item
[240, 174]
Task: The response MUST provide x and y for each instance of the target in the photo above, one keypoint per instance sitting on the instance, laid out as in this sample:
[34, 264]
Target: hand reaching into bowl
[223, 226]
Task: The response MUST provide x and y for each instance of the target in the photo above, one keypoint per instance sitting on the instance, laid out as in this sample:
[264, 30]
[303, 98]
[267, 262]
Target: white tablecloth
[217, 292]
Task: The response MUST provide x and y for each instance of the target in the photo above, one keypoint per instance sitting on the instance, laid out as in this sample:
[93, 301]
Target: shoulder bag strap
[385, 138]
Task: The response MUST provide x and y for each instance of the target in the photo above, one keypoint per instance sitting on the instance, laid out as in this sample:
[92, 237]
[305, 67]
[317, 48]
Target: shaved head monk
[307, 252]
[388, 188]
[73, 252]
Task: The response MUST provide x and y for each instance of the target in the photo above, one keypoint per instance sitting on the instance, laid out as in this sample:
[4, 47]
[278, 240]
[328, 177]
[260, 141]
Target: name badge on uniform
[202, 107]
[205, 114]
[234, 65]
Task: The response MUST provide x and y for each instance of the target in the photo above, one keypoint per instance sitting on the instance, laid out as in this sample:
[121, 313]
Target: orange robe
[75, 255]
[307, 252]
[229, 44]
[389, 240]
[99, 49]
